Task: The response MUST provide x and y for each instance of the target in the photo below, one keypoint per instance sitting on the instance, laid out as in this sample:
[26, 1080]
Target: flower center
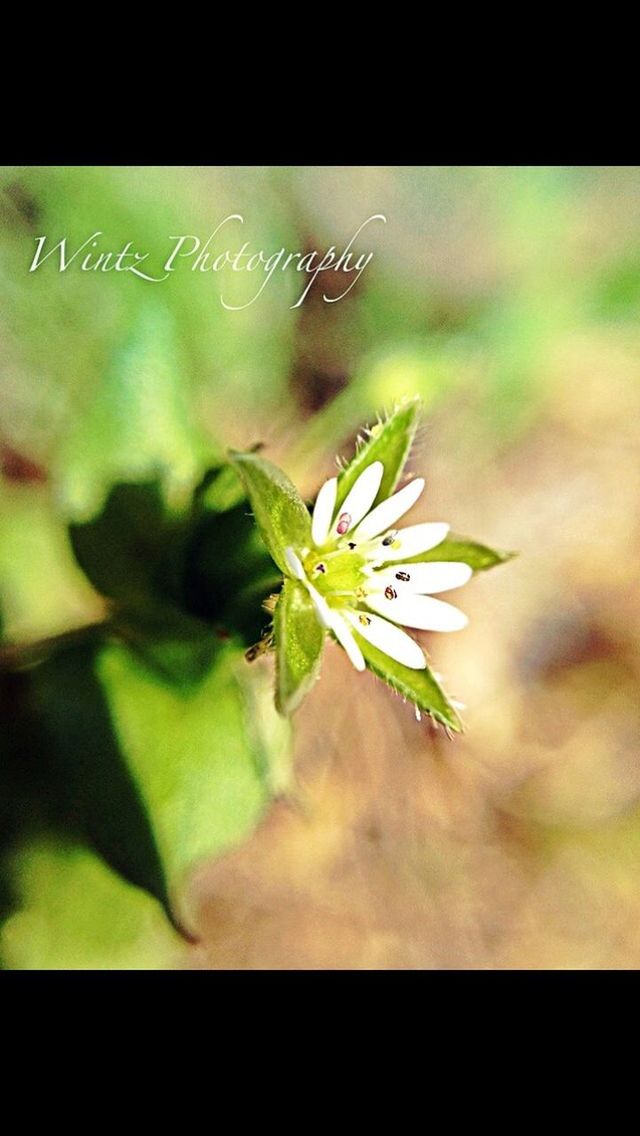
[338, 575]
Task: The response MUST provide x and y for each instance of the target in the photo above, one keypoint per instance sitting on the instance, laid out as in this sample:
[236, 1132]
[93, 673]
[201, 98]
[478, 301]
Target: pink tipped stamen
[344, 521]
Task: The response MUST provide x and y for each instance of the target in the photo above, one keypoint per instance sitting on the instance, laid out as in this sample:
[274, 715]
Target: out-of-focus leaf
[145, 776]
[121, 549]
[617, 291]
[299, 640]
[89, 789]
[64, 777]
[178, 647]
[43, 592]
[134, 553]
[180, 582]
[73, 913]
[418, 687]
[389, 442]
[191, 756]
[139, 422]
[280, 512]
[478, 556]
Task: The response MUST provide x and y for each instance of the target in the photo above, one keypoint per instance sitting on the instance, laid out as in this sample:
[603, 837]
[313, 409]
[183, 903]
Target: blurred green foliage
[118, 400]
[137, 737]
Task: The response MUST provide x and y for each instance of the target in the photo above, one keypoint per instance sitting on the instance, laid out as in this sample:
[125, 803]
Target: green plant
[145, 740]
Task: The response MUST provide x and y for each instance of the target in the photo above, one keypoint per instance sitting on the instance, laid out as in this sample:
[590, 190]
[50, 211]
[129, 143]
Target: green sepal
[418, 687]
[280, 513]
[479, 557]
[299, 639]
[390, 442]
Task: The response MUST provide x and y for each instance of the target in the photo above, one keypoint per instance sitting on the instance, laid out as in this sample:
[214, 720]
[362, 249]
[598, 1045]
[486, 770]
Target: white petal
[423, 578]
[344, 635]
[394, 642]
[388, 512]
[295, 564]
[410, 542]
[323, 511]
[361, 497]
[422, 612]
[322, 607]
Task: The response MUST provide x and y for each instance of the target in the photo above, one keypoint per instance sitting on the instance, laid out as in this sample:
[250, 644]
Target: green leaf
[120, 550]
[178, 581]
[419, 687]
[389, 442]
[134, 553]
[479, 557]
[139, 420]
[73, 913]
[280, 512]
[191, 756]
[177, 647]
[117, 769]
[89, 790]
[299, 642]
[43, 592]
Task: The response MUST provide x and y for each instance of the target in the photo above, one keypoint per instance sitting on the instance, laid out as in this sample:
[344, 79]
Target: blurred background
[508, 298]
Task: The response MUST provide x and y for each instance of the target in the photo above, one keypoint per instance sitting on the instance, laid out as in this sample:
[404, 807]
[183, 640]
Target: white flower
[357, 572]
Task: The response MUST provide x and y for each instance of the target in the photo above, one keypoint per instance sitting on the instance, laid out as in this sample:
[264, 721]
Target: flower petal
[388, 512]
[423, 578]
[320, 604]
[323, 511]
[344, 635]
[409, 542]
[295, 564]
[361, 498]
[421, 612]
[390, 639]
